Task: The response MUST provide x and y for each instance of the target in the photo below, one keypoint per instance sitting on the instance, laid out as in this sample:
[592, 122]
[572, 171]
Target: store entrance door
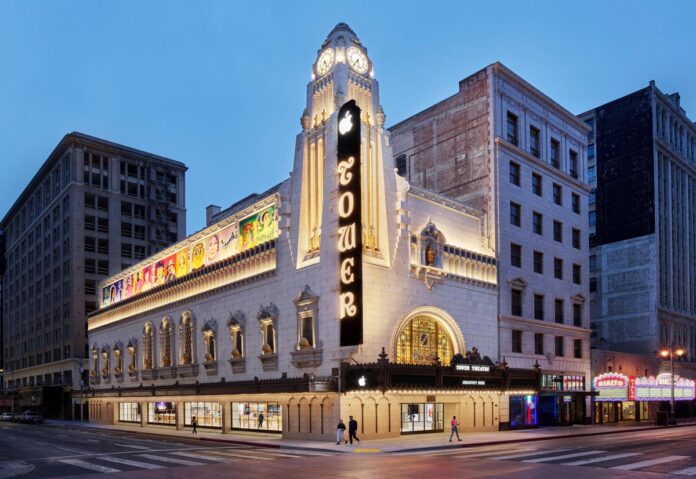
[421, 418]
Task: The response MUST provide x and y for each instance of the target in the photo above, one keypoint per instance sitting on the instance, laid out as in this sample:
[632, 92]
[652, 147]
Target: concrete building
[282, 317]
[502, 146]
[93, 208]
[642, 220]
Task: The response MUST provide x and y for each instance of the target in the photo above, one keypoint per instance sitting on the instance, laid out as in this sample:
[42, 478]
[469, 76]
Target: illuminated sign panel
[617, 387]
[253, 230]
[349, 225]
[611, 387]
[473, 367]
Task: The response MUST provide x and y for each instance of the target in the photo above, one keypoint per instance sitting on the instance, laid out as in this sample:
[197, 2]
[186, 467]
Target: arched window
[209, 338]
[166, 341]
[118, 360]
[236, 327]
[148, 345]
[132, 355]
[95, 361]
[421, 340]
[186, 330]
[401, 166]
[105, 362]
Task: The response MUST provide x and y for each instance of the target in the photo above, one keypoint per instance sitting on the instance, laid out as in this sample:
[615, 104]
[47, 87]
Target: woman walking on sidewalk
[194, 423]
[340, 430]
[455, 428]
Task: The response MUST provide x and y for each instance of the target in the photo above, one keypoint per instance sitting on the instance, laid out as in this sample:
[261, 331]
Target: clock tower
[342, 71]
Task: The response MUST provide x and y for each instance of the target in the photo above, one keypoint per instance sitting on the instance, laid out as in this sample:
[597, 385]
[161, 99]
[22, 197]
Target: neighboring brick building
[93, 208]
[502, 146]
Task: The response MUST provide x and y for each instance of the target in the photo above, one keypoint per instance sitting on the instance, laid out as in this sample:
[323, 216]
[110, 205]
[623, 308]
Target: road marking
[201, 456]
[651, 462]
[529, 454]
[689, 471]
[87, 465]
[76, 451]
[92, 440]
[601, 459]
[61, 435]
[147, 448]
[565, 456]
[240, 454]
[173, 460]
[128, 462]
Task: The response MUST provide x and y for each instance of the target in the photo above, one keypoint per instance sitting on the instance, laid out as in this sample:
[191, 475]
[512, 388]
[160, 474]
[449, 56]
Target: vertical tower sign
[349, 225]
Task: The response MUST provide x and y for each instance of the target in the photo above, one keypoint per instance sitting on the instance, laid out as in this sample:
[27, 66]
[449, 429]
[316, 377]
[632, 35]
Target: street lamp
[671, 352]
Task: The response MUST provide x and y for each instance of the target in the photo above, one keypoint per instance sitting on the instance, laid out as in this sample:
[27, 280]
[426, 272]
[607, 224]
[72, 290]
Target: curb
[270, 446]
[20, 468]
[534, 439]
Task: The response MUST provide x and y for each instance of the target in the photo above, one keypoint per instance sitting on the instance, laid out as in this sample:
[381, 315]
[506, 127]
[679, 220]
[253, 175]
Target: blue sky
[220, 85]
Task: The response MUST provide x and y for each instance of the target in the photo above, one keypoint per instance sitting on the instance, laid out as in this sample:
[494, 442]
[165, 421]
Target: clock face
[357, 60]
[326, 61]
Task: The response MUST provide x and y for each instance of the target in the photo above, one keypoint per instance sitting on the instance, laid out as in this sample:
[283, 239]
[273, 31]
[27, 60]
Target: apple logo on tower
[345, 124]
[362, 382]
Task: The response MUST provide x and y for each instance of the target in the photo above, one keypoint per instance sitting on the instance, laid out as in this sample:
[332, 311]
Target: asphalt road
[662, 451]
[73, 451]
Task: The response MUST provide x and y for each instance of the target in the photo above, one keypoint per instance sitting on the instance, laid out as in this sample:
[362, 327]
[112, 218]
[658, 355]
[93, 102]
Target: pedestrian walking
[454, 424]
[340, 430]
[261, 418]
[352, 429]
[194, 423]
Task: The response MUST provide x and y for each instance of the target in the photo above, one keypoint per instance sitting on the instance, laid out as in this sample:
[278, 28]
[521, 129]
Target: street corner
[14, 469]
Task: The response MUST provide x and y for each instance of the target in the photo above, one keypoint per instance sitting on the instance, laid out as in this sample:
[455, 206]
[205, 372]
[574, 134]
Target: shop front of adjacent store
[630, 398]
[562, 400]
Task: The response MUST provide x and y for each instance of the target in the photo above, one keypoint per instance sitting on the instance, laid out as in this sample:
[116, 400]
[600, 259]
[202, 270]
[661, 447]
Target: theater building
[343, 290]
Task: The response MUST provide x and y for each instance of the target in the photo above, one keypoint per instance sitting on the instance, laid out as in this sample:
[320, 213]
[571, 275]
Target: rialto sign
[349, 225]
[618, 387]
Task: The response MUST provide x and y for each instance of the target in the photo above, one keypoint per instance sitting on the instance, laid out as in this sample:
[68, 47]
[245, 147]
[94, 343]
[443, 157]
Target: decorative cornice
[444, 201]
[538, 324]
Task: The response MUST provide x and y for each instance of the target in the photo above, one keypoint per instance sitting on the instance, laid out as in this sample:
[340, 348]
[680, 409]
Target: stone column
[226, 417]
[143, 413]
[179, 416]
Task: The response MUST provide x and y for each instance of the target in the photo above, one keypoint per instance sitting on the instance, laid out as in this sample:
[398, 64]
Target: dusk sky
[221, 85]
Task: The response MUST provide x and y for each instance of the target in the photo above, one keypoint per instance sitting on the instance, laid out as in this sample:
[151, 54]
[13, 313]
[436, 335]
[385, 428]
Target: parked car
[6, 416]
[31, 417]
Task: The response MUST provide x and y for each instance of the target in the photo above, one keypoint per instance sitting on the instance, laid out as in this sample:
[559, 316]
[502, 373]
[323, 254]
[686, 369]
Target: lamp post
[671, 352]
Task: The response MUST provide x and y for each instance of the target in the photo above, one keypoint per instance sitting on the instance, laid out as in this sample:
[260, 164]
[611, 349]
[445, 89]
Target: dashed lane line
[88, 465]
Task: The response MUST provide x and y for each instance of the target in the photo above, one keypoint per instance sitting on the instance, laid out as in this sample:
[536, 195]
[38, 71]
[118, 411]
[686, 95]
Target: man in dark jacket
[352, 429]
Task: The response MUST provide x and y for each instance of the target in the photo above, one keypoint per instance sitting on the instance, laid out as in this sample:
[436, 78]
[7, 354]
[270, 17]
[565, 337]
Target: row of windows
[516, 308]
[512, 136]
[559, 345]
[58, 378]
[538, 263]
[538, 187]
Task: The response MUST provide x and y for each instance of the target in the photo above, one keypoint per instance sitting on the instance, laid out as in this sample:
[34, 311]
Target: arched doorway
[422, 338]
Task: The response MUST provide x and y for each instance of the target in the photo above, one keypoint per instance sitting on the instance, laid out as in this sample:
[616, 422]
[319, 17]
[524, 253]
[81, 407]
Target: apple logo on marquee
[345, 124]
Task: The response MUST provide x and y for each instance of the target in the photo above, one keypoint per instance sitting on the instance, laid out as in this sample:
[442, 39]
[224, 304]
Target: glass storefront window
[258, 416]
[208, 414]
[129, 412]
[161, 413]
[422, 417]
[628, 410]
[523, 411]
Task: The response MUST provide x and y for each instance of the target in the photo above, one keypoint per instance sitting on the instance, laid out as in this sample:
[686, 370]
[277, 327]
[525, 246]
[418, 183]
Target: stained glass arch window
[423, 339]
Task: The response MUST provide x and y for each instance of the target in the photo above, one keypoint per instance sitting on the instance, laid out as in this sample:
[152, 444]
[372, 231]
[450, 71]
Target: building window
[267, 318]
[209, 341]
[186, 332]
[555, 153]
[577, 315]
[558, 231]
[557, 194]
[577, 348]
[523, 411]
[558, 268]
[593, 218]
[539, 307]
[515, 214]
[575, 203]
[512, 128]
[559, 346]
[539, 262]
[161, 413]
[593, 262]
[558, 310]
[537, 184]
[236, 325]
[576, 238]
[516, 341]
[264, 416]
[129, 412]
[422, 340]
[593, 285]
[538, 343]
[573, 163]
[514, 173]
[538, 223]
[516, 302]
[166, 336]
[591, 173]
[148, 346]
[307, 304]
[207, 414]
[534, 141]
[576, 274]
[515, 255]
[401, 168]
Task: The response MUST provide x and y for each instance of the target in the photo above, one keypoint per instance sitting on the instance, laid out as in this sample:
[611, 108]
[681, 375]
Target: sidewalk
[409, 443]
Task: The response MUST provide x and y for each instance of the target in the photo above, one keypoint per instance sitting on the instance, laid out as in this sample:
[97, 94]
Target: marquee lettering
[345, 205]
[346, 238]
[347, 275]
[344, 176]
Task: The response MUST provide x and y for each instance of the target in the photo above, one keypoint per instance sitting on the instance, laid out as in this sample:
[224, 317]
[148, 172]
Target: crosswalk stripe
[241, 457]
[173, 460]
[582, 462]
[530, 454]
[88, 465]
[689, 471]
[128, 462]
[133, 446]
[201, 456]
[651, 462]
[564, 456]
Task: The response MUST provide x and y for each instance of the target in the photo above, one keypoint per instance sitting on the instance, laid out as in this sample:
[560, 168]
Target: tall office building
[642, 168]
[502, 146]
[93, 208]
